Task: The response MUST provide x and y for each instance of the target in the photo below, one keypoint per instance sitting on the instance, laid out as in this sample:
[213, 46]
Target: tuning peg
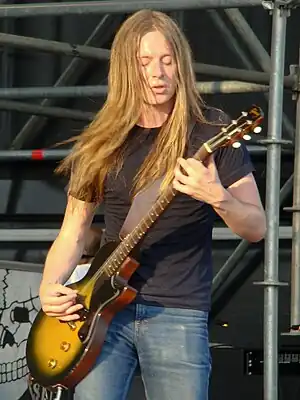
[257, 129]
[247, 137]
[236, 145]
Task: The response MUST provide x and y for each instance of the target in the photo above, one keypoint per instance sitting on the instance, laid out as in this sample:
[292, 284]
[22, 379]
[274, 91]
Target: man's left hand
[199, 181]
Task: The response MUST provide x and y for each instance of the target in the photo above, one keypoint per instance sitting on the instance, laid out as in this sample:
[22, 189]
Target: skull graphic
[19, 304]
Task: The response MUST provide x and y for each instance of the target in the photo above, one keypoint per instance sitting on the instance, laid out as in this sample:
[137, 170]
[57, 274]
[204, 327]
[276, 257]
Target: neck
[154, 116]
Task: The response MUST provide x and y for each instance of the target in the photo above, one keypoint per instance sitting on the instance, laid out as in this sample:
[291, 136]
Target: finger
[61, 289]
[74, 309]
[182, 188]
[197, 166]
[57, 309]
[211, 162]
[185, 179]
[185, 165]
[63, 317]
[67, 318]
[212, 168]
[59, 300]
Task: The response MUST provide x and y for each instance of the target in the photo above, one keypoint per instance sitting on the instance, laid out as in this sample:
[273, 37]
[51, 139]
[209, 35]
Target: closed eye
[167, 60]
[145, 61]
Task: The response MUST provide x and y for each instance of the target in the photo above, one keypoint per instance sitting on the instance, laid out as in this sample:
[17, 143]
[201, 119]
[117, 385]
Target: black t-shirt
[175, 256]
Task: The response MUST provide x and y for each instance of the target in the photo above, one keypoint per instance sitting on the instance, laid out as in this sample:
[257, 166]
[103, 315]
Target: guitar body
[61, 353]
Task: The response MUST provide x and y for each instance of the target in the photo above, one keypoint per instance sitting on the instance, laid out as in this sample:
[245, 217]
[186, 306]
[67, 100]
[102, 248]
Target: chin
[160, 100]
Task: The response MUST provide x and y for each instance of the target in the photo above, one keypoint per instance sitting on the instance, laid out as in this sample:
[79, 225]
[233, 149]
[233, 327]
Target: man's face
[158, 67]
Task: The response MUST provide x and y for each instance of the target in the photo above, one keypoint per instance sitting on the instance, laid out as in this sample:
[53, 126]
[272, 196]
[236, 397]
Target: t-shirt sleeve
[93, 198]
[233, 164]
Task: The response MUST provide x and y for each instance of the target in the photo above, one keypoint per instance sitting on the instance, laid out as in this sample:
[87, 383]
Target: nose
[157, 69]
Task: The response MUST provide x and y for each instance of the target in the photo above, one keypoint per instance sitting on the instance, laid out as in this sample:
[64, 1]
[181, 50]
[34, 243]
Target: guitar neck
[151, 217]
[115, 261]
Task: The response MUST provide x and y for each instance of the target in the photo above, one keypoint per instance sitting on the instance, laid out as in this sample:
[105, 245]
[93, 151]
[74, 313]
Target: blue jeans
[170, 346]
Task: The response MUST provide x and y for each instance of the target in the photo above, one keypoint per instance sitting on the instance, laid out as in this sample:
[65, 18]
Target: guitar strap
[144, 200]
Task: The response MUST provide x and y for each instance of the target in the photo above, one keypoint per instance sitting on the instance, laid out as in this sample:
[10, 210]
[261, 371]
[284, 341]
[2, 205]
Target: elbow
[71, 237]
[258, 233]
[257, 237]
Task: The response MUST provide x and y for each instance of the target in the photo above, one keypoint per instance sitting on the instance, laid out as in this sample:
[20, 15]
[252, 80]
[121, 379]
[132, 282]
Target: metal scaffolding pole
[49, 234]
[271, 273]
[84, 51]
[52, 46]
[35, 155]
[224, 274]
[7, 76]
[37, 109]
[230, 38]
[236, 257]
[91, 52]
[295, 268]
[68, 77]
[53, 92]
[59, 154]
[230, 87]
[101, 90]
[254, 45]
[121, 6]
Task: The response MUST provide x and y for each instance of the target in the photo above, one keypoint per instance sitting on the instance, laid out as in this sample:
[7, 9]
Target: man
[139, 135]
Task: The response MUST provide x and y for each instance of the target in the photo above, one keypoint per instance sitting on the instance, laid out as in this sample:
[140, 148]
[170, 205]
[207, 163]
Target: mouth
[12, 371]
[159, 88]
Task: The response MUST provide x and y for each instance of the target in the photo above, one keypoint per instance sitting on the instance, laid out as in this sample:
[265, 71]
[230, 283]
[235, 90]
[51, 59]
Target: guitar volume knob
[65, 346]
[52, 363]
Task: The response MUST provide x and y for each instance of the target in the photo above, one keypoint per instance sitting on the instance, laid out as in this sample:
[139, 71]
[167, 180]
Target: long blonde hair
[98, 149]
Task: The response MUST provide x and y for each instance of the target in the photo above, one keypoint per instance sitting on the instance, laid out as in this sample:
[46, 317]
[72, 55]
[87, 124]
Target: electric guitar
[60, 354]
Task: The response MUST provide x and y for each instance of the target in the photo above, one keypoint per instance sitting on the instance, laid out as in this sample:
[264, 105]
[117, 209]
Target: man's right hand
[59, 301]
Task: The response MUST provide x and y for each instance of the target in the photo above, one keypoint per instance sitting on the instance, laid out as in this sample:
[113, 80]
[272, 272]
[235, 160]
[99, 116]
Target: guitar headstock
[248, 121]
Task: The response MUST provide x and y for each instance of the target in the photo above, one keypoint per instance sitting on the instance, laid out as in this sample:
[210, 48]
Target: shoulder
[215, 116]
[214, 120]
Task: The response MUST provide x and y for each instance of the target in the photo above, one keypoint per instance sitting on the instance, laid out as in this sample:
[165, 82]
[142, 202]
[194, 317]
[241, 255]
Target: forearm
[62, 258]
[246, 220]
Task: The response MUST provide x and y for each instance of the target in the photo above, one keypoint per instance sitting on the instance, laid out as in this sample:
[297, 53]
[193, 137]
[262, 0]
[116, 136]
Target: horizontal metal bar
[101, 90]
[53, 92]
[48, 235]
[230, 87]
[119, 7]
[59, 154]
[104, 54]
[51, 46]
[239, 74]
[21, 266]
[37, 109]
[36, 155]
